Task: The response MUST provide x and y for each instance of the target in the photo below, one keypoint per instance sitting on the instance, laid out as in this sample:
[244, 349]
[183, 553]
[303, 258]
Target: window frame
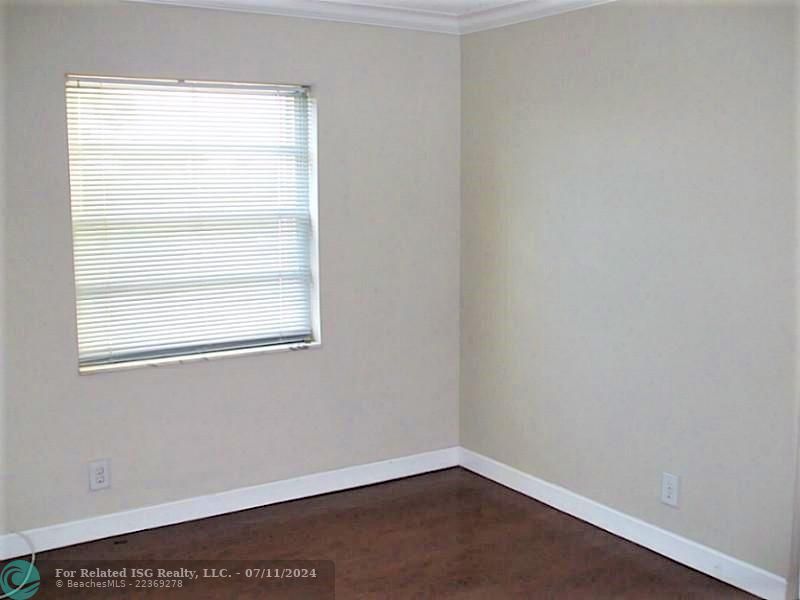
[315, 340]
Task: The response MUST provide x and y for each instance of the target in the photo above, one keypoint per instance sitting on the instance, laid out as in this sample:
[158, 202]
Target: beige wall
[3, 450]
[385, 382]
[793, 581]
[628, 261]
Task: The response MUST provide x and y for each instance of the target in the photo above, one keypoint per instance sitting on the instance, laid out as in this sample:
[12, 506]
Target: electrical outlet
[100, 474]
[670, 489]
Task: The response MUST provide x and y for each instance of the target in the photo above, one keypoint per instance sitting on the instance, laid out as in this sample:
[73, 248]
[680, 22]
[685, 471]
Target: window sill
[200, 357]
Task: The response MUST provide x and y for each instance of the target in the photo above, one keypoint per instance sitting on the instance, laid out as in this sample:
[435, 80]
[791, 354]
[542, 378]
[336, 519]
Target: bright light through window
[193, 211]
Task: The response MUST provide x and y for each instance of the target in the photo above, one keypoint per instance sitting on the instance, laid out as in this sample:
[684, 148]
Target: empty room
[466, 299]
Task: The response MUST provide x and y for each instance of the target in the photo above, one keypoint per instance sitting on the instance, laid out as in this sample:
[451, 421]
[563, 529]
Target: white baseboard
[200, 507]
[707, 560]
[738, 573]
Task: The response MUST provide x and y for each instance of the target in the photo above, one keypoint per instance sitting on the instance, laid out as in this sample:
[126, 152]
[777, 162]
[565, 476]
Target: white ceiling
[453, 8]
[442, 16]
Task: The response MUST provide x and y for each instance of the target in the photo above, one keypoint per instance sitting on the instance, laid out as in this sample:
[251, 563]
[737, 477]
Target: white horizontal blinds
[190, 212]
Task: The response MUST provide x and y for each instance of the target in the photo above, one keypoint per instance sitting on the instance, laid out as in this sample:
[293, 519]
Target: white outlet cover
[100, 474]
[670, 489]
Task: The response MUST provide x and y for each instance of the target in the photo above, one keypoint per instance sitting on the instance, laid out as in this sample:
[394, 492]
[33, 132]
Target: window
[193, 216]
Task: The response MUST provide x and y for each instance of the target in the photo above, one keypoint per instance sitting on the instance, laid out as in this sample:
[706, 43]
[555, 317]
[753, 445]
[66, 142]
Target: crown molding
[519, 12]
[330, 11]
[402, 18]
